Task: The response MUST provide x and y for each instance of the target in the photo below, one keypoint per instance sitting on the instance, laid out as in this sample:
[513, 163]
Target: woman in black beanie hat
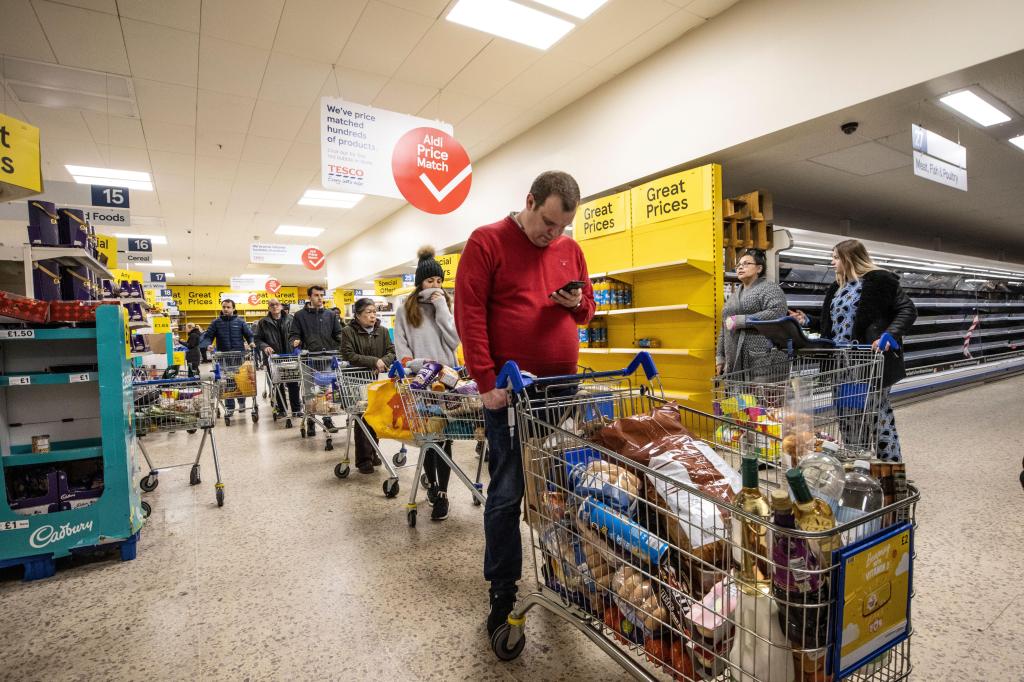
[425, 330]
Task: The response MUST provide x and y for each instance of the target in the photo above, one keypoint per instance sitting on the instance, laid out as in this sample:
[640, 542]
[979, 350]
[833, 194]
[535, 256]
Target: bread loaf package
[631, 437]
[607, 482]
[689, 522]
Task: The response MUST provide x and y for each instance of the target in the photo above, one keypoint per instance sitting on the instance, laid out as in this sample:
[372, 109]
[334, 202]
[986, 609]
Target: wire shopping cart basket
[282, 371]
[354, 383]
[435, 418]
[236, 375]
[170, 405]
[811, 395]
[321, 393]
[637, 543]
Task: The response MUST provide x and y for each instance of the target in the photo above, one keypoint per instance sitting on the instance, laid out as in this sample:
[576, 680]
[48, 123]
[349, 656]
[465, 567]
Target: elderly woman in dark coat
[740, 349]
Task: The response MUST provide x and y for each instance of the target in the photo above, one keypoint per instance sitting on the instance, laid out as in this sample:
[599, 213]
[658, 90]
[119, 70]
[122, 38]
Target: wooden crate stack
[748, 225]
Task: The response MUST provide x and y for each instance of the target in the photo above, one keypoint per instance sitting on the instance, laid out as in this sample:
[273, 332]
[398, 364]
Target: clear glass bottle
[752, 536]
[825, 477]
[861, 494]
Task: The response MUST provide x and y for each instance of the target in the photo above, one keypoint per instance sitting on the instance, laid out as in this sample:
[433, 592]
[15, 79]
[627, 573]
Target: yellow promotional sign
[387, 285]
[875, 584]
[107, 245]
[607, 215]
[345, 297]
[125, 274]
[672, 196]
[179, 357]
[20, 172]
[195, 298]
[161, 325]
[450, 263]
[150, 296]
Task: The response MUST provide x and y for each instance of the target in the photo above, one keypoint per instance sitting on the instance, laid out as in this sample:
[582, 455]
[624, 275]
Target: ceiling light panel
[298, 231]
[510, 20]
[155, 238]
[90, 175]
[1018, 142]
[581, 9]
[317, 197]
[969, 104]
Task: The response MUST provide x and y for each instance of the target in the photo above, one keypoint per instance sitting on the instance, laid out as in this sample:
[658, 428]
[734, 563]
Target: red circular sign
[272, 286]
[432, 170]
[313, 258]
[254, 299]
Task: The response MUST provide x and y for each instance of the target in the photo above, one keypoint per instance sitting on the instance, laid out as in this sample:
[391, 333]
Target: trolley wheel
[218, 412]
[276, 416]
[476, 502]
[227, 421]
[399, 459]
[499, 643]
[220, 497]
[411, 516]
[149, 483]
[146, 509]
[302, 432]
[391, 488]
[193, 475]
[341, 470]
[424, 481]
[255, 416]
[288, 423]
[329, 445]
[190, 431]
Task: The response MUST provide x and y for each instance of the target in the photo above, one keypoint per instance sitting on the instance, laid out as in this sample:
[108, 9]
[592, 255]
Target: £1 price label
[13, 525]
[81, 376]
[19, 381]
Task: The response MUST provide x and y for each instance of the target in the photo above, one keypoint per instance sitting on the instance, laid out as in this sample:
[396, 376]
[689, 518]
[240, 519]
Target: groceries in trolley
[440, 405]
[694, 554]
[171, 406]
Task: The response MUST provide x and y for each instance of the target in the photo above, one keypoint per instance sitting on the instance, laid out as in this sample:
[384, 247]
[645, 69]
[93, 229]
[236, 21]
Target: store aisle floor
[304, 576]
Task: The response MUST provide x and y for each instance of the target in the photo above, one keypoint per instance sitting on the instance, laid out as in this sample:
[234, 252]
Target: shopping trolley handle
[510, 374]
[167, 382]
[396, 370]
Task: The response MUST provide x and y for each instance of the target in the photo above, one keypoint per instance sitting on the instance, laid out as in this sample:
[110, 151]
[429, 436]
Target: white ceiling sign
[938, 159]
[356, 142]
[127, 260]
[247, 283]
[278, 254]
[939, 171]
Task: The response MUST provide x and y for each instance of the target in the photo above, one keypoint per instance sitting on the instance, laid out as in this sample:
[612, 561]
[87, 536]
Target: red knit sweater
[503, 308]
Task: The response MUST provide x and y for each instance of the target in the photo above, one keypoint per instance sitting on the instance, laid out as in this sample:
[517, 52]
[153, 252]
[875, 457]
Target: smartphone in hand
[570, 288]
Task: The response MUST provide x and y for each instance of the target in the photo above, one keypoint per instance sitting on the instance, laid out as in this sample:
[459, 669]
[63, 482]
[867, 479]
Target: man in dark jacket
[364, 343]
[192, 355]
[272, 334]
[231, 333]
[315, 328]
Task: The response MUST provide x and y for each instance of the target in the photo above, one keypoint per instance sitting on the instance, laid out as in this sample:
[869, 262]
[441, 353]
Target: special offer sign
[366, 150]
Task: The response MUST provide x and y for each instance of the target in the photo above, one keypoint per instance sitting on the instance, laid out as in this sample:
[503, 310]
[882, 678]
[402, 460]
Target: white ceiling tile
[124, 158]
[21, 34]
[293, 80]
[83, 38]
[303, 155]
[180, 14]
[492, 69]
[428, 8]
[106, 6]
[172, 163]
[383, 38]
[709, 8]
[264, 150]
[651, 41]
[406, 98]
[450, 107]
[249, 193]
[126, 132]
[215, 168]
[180, 187]
[64, 123]
[255, 171]
[273, 119]
[610, 28]
[317, 29]
[161, 54]
[576, 89]
[62, 150]
[219, 143]
[170, 137]
[250, 22]
[350, 85]
[221, 111]
[444, 51]
[165, 102]
[310, 129]
[487, 120]
[231, 68]
[544, 78]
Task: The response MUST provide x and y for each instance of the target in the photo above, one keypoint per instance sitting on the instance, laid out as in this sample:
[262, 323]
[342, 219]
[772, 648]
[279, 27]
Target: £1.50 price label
[17, 333]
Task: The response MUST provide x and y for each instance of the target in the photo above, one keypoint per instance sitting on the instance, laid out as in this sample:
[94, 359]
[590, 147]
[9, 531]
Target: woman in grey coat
[425, 330]
[738, 348]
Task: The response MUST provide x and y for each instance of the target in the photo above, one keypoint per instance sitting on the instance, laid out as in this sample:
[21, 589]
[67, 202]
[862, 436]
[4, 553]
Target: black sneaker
[440, 511]
[502, 604]
[366, 468]
[432, 494]
[329, 425]
[376, 460]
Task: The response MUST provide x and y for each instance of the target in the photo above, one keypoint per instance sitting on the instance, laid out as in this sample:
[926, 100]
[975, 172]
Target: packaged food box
[22, 308]
[72, 228]
[43, 229]
[75, 284]
[46, 280]
[73, 311]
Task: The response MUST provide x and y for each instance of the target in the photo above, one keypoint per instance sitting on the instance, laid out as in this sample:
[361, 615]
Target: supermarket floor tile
[305, 576]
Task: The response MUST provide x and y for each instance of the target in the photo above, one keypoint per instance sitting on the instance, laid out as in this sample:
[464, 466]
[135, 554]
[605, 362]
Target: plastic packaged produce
[861, 494]
[825, 477]
[637, 599]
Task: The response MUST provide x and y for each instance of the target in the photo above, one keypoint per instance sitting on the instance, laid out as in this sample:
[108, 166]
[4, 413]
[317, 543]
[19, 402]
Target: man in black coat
[316, 329]
[272, 334]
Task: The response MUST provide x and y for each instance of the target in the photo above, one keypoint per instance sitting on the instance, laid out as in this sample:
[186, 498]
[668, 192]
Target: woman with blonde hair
[425, 330]
[866, 304]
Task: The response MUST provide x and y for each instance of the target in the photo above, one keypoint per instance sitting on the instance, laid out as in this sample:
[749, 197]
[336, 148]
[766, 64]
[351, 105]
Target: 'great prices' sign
[607, 215]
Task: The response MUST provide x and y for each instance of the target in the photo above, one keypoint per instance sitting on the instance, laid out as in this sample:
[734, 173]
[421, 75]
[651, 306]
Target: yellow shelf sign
[344, 297]
[386, 285]
[450, 263]
[607, 215]
[179, 357]
[126, 274]
[161, 325]
[672, 196]
[20, 170]
[107, 245]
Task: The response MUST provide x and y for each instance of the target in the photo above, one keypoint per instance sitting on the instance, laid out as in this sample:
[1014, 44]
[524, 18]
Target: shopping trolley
[321, 393]
[434, 418]
[282, 370]
[353, 383]
[812, 394]
[236, 375]
[644, 558]
[169, 405]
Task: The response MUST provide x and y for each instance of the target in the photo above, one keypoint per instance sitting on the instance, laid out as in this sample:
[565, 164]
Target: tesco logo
[345, 171]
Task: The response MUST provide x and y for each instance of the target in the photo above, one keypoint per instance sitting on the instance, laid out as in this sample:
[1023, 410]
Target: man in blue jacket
[231, 333]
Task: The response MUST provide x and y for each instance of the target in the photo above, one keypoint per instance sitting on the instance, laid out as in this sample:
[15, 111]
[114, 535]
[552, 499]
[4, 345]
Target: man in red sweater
[510, 304]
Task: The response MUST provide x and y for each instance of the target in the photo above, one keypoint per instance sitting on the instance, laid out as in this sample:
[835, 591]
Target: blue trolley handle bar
[167, 382]
[511, 377]
[396, 371]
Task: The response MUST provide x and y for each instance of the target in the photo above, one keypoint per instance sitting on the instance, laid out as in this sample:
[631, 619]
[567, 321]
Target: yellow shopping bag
[385, 413]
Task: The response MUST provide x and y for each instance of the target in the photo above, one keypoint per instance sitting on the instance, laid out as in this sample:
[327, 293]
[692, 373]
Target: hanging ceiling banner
[357, 143]
[277, 254]
[20, 170]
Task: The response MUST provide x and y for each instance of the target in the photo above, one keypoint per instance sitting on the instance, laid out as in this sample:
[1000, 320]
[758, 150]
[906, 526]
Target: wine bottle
[813, 514]
[752, 536]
